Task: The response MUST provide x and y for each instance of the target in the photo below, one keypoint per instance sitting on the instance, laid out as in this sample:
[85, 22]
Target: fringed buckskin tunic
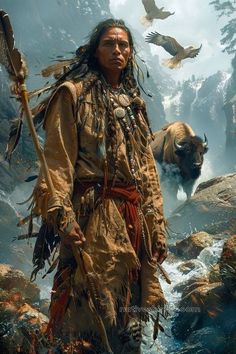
[110, 197]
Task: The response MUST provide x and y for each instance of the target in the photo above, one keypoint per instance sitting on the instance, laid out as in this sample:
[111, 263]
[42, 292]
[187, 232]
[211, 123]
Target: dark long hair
[87, 61]
[98, 32]
[85, 54]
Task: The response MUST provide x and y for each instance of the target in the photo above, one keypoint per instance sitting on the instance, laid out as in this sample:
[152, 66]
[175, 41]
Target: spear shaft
[38, 148]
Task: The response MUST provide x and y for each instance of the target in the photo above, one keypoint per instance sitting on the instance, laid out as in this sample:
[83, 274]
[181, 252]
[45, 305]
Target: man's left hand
[159, 252]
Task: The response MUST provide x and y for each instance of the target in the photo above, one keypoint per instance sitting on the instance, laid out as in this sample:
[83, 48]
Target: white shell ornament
[124, 100]
[119, 112]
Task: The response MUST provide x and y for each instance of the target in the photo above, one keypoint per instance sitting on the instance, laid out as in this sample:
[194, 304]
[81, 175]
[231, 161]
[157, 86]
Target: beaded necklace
[122, 108]
[122, 112]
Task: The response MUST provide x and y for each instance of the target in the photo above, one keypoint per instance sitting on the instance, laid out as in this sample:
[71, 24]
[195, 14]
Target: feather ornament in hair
[64, 65]
[57, 69]
[10, 57]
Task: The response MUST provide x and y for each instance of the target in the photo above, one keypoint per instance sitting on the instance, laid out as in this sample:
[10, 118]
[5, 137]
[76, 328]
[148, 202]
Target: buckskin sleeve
[60, 149]
[152, 206]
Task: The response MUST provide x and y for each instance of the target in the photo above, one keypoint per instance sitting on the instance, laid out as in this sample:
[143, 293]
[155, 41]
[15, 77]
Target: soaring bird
[153, 12]
[172, 47]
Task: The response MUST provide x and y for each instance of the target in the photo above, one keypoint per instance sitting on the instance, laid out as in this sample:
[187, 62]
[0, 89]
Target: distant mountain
[199, 102]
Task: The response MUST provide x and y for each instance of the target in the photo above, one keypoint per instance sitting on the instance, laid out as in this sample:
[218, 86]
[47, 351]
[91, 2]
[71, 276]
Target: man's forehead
[115, 33]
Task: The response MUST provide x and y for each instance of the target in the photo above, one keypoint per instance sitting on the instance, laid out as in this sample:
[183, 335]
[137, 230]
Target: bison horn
[205, 143]
[178, 146]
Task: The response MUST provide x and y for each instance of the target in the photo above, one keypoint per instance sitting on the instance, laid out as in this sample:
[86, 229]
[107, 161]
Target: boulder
[22, 325]
[212, 208]
[199, 305]
[24, 328]
[14, 279]
[192, 246]
[188, 266]
[190, 284]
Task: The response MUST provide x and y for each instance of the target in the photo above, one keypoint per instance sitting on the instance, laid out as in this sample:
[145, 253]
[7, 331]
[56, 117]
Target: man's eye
[108, 43]
[113, 43]
[123, 44]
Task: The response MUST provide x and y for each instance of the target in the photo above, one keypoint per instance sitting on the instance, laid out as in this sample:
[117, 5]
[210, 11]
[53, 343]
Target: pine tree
[228, 40]
[228, 32]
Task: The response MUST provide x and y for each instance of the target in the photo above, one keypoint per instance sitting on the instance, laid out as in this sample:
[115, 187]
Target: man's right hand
[74, 237]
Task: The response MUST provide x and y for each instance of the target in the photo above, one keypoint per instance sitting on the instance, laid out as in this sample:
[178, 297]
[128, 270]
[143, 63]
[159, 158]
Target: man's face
[114, 50]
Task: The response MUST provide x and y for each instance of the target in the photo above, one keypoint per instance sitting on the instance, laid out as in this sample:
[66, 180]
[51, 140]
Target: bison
[180, 153]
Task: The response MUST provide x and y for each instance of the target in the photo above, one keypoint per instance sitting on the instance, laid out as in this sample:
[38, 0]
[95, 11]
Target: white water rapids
[165, 341]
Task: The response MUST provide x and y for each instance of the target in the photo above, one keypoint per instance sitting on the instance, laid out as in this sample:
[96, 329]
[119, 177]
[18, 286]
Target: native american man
[108, 211]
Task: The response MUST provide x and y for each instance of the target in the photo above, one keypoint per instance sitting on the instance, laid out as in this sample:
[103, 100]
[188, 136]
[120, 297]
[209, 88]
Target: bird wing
[168, 43]
[194, 52]
[167, 13]
[150, 6]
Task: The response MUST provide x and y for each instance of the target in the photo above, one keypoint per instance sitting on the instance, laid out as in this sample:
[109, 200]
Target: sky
[194, 22]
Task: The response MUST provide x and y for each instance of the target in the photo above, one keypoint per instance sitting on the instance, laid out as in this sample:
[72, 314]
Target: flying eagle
[153, 12]
[174, 48]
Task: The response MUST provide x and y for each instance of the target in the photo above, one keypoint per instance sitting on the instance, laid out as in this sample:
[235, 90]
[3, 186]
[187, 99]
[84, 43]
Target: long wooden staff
[12, 60]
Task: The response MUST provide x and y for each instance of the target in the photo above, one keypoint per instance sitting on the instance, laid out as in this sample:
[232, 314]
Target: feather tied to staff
[10, 57]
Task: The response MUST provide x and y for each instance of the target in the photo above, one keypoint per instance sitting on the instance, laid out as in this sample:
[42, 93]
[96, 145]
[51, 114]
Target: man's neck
[112, 79]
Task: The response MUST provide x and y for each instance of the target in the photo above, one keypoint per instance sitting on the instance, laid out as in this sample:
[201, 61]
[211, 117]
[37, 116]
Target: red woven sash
[129, 210]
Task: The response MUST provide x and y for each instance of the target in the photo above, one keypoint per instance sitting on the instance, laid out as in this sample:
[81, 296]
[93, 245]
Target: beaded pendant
[123, 100]
[119, 112]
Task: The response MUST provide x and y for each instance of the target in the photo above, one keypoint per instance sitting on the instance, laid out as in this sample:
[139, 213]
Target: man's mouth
[116, 61]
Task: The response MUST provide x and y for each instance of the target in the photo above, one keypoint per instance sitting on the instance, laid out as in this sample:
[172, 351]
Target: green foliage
[225, 8]
[228, 32]
[229, 38]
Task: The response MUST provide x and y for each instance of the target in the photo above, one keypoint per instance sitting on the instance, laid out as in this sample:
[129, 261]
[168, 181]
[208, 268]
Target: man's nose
[116, 48]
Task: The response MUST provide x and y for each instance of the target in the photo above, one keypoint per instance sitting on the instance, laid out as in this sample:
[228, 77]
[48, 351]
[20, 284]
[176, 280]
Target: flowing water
[165, 342]
[22, 254]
